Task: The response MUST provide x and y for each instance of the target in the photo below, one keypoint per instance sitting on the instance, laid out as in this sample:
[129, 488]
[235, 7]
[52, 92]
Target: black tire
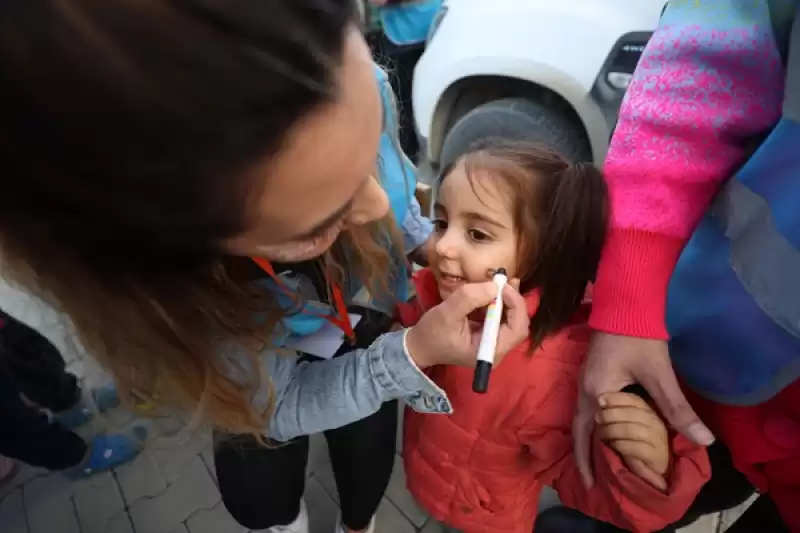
[516, 119]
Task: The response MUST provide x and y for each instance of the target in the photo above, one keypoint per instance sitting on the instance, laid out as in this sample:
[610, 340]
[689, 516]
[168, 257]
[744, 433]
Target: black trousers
[262, 486]
[31, 365]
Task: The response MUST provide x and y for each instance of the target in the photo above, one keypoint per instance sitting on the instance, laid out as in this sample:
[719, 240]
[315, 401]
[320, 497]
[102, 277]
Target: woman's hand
[614, 362]
[634, 430]
[444, 336]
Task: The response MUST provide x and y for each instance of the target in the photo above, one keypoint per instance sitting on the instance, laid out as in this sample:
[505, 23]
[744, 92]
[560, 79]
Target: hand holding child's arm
[630, 427]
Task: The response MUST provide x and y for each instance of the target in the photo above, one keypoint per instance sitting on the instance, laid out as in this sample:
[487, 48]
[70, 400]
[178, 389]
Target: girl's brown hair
[560, 211]
[127, 132]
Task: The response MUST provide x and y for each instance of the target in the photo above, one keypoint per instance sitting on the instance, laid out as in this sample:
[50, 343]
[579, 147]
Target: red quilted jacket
[482, 469]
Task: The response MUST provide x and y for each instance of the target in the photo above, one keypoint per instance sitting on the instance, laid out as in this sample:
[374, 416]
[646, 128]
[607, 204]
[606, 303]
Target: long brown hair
[560, 210]
[117, 189]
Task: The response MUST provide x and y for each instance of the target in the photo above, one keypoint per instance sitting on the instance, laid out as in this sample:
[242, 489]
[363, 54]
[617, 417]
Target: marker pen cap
[480, 379]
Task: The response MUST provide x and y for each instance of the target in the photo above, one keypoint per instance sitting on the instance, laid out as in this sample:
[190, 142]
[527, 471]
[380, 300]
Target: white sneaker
[371, 529]
[300, 524]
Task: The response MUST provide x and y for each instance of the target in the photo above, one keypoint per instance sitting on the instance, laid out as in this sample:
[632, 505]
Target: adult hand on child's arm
[615, 362]
[630, 427]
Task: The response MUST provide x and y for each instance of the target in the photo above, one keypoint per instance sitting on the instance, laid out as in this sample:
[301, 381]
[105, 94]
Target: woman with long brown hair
[150, 149]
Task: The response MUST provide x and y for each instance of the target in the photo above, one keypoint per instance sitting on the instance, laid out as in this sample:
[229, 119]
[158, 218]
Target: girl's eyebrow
[480, 217]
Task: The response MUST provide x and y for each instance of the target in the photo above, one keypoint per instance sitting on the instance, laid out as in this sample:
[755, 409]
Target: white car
[557, 69]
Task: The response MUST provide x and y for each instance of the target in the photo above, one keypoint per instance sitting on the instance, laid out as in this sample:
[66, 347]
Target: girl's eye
[439, 225]
[478, 236]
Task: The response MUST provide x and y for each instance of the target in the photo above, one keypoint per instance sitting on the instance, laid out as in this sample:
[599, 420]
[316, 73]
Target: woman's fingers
[469, 298]
[515, 328]
[623, 399]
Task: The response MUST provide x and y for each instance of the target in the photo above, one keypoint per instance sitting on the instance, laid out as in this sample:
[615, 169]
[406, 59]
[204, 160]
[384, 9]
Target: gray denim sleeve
[416, 228]
[315, 397]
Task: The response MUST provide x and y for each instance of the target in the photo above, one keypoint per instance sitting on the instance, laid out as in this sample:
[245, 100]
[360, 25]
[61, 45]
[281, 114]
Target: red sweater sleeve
[619, 496]
[699, 97]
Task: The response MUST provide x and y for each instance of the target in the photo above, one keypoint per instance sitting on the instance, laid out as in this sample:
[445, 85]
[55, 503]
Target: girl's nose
[447, 246]
[371, 203]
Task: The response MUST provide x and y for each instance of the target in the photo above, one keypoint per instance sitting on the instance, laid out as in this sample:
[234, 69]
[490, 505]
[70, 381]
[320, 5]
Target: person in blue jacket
[404, 28]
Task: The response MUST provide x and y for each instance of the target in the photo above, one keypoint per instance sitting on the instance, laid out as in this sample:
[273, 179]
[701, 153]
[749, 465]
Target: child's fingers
[622, 415]
[623, 399]
[641, 469]
[627, 432]
[636, 449]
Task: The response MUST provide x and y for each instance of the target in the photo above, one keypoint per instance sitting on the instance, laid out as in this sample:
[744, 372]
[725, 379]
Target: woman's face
[324, 180]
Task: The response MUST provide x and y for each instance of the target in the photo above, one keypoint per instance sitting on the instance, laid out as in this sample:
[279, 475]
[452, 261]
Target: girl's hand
[635, 431]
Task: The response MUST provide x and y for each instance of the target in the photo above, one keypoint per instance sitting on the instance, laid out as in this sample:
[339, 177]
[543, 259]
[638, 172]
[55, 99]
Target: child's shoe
[109, 451]
[105, 398]
[370, 529]
[300, 524]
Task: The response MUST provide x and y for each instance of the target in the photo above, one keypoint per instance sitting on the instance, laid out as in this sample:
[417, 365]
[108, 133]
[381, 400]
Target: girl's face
[324, 179]
[474, 231]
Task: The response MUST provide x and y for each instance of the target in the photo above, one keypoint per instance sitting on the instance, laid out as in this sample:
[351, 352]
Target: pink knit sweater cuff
[631, 290]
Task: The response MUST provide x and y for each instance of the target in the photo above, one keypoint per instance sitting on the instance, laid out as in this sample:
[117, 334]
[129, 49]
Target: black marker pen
[491, 329]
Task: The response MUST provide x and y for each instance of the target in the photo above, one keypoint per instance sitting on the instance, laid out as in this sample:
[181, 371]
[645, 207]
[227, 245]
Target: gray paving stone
[180, 529]
[59, 517]
[389, 518]
[432, 526]
[174, 456]
[25, 474]
[191, 492]
[97, 501]
[401, 407]
[317, 454]
[401, 498]
[121, 523]
[48, 505]
[12, 514]
[217, 520]
[208, 459]
[167, 426]
[324, 475]
[548, 499]
[141, 478]
[323, 512]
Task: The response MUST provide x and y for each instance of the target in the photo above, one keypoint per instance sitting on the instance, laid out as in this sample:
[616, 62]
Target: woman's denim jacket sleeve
[315, 397]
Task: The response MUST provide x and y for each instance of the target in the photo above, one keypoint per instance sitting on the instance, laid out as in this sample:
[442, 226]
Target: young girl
[482, 469]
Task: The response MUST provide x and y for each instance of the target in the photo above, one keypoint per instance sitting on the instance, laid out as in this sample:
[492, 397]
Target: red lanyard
[341, 320]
